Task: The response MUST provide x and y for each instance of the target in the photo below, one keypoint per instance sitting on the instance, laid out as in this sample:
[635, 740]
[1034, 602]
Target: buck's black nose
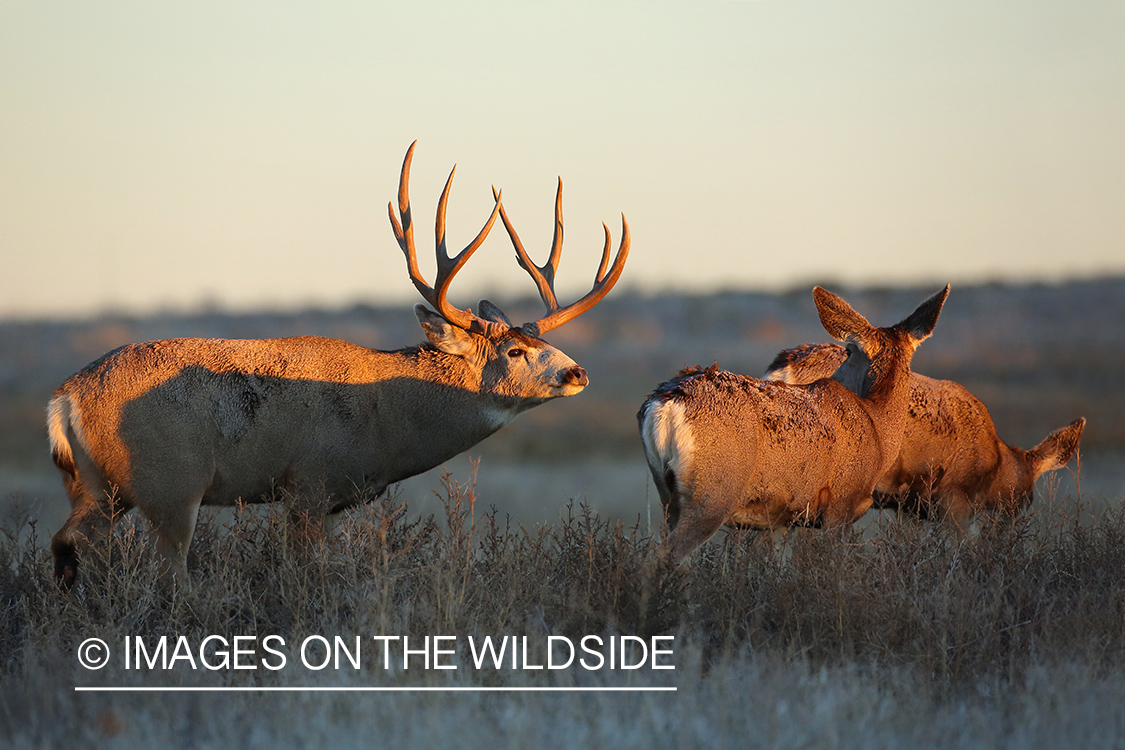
[575, 376]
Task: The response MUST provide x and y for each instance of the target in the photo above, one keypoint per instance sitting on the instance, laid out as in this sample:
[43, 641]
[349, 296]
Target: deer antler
[544, 276]
[447, 267]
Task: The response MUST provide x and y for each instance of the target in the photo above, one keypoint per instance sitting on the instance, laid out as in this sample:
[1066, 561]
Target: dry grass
[1013, 638]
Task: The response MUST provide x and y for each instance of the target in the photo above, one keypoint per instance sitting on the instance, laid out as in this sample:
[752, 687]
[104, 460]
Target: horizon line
[373, 689]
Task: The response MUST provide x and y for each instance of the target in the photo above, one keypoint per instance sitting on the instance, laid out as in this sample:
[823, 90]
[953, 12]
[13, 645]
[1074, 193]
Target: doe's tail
[668, 444]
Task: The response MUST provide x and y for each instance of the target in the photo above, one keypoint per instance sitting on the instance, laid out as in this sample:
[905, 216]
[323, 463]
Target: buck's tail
[59, 416]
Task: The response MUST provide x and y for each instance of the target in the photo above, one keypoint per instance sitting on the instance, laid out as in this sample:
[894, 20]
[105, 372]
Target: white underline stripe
[289, 689]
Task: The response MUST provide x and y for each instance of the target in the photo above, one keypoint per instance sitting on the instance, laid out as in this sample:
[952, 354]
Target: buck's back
[247, 414]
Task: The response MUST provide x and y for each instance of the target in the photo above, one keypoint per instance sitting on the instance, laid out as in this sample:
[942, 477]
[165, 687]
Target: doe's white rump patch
[667, 437]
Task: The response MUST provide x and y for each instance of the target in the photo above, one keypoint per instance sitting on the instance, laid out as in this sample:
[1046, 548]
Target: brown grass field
[903, 635]
[900, 634]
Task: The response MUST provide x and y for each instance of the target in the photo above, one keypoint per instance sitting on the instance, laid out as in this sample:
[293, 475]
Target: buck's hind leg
[92, 510]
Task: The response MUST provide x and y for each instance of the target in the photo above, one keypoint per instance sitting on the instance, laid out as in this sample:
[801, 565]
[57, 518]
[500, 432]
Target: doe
[730, 449]
[951, 462]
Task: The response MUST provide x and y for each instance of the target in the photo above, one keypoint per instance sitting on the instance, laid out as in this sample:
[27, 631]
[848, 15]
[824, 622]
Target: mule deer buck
[951, 462]
[730, 449]
[167, 426]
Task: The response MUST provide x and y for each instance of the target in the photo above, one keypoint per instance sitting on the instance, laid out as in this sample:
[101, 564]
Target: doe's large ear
[443, 334]
[920, 323]
[1058, 448]
[838, 318]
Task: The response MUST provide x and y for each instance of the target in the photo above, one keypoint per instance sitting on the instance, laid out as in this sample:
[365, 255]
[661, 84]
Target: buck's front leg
[173, 523]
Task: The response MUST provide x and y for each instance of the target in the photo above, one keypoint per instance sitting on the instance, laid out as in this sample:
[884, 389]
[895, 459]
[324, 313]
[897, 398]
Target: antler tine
[605, 251]
[404, 232]
[603, 282]
[552, 266]
[543, 276]
[447, 267]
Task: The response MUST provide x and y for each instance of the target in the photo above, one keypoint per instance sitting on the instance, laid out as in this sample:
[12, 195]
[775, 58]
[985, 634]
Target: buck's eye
[515, 352]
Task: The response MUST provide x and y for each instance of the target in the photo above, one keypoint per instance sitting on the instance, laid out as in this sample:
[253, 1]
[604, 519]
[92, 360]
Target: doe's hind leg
[693, 522]
[957, 512]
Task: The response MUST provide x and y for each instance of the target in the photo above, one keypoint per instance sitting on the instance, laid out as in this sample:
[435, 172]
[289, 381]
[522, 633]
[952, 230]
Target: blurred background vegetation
[1037, 355]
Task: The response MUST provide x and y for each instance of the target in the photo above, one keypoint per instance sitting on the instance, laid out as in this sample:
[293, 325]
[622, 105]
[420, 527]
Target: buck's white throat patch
[498, 417]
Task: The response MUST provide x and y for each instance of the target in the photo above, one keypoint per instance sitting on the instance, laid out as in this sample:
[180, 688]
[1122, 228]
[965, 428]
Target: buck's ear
[920, 323]
[489, 311]
[443, 334]
[838, 318]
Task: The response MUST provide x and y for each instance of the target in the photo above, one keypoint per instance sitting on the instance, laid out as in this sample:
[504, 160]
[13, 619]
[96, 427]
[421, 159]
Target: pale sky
[166, 155]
